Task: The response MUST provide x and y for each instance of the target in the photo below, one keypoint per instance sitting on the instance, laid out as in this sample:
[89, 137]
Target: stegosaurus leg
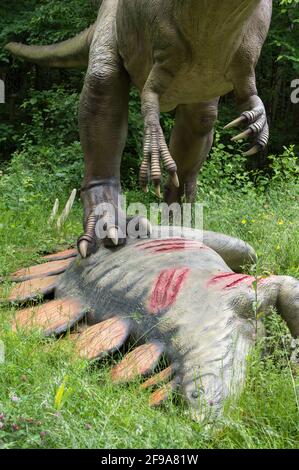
[282, 293]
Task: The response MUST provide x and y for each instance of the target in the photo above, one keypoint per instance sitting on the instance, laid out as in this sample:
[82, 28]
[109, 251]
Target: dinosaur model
[181, 55]
[176, 296]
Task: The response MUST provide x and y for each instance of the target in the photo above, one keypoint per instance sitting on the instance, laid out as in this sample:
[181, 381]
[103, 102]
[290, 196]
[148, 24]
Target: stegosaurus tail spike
[54, 317]
[102, 338]
[140, 361]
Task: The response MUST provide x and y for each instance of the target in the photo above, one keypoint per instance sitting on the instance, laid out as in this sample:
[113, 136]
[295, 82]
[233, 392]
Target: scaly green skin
[180, 55]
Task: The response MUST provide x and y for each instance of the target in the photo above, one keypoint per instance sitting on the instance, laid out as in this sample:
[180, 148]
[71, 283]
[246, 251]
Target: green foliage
[285, 34]
[231, 171]
[45, 22]
[89, 412]
[285, 167]
[41, 172]
[51, 118]
[36, 21]
[48, 21]
[41, 159]
[99, 415]
[278, 67]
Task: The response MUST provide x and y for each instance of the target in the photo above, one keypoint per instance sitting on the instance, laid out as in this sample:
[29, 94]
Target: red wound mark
[267, 280]
[248, 280]
[159, 242]
[231, 280]
[170, 245]
[166, 288]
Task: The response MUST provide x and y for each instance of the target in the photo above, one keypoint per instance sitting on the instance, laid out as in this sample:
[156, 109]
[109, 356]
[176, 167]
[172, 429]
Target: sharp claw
[83, 248]
[158, 191]
[175, 180]
[242, 136]
[236, 122]
[113, 235]
[252, 151]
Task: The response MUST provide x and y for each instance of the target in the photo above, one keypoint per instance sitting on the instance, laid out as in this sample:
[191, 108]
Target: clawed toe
[86, 240]
[109, 233]
[83, 247]
[154, 150]
[258, 128]
[113, 234]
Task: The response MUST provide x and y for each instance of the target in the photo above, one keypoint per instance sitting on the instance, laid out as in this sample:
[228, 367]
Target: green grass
[95, 414]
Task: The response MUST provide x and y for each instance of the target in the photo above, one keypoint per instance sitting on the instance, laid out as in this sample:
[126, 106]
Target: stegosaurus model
[174, 296]
[181, 55]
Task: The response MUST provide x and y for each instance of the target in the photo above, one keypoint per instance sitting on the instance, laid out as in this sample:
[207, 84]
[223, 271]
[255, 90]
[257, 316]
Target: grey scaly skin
[180, 55]
[208, 328]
